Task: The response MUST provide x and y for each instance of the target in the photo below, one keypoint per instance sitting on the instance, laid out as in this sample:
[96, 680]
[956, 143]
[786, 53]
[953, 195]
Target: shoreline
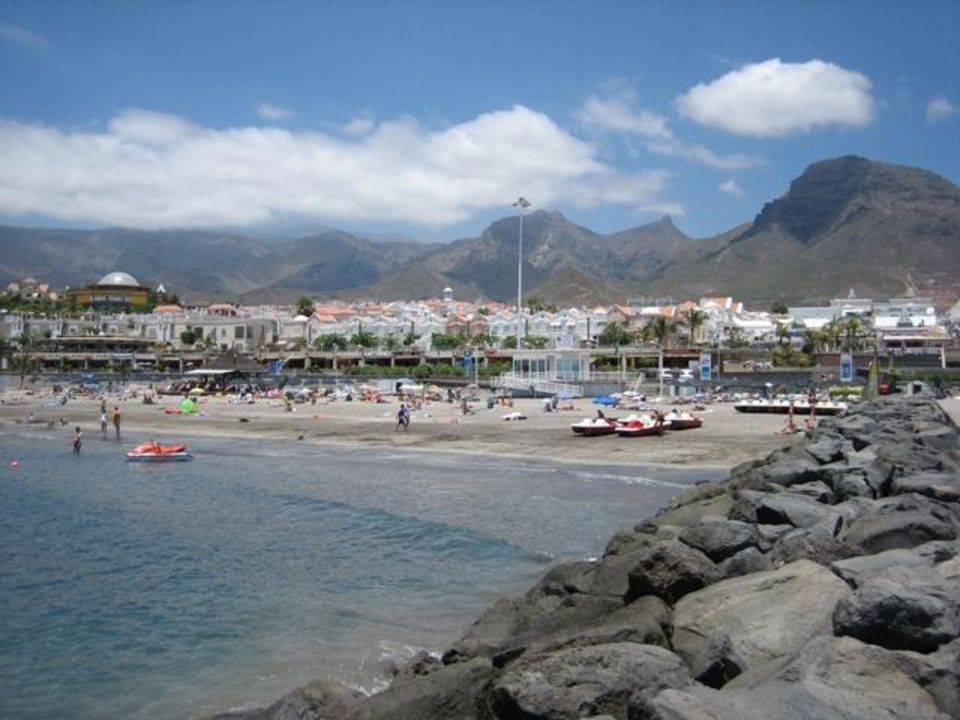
[726, 439]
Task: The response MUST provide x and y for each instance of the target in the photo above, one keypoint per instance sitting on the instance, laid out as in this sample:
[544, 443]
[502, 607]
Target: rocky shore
[820, 582]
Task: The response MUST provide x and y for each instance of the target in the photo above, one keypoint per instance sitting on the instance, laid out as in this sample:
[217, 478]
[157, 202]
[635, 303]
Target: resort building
[114, 291]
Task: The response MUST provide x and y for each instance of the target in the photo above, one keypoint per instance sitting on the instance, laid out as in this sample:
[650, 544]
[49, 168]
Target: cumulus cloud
[273, 112]
[940, 108]
[360, 125]
[16, 35]
[775, 99]
[731, 187]
[617, 113]
[151, 170]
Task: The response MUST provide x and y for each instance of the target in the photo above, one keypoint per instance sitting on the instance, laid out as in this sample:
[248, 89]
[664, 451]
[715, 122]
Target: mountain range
[844, 223]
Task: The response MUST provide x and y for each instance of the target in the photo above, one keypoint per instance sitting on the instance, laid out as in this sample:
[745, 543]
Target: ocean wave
[587, 476]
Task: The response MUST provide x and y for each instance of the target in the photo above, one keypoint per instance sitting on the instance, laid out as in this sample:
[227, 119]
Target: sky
[430, 118]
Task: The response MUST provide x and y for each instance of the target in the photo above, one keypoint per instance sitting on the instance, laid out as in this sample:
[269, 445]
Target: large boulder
[711, 659]
[318, 700]
[584, 682]
[939, 674]
[903, 599]
[938, 485]
[898, 617]
[767, 615]
[831, 679]
[452, 691]
[719, 540]
[670, 571]
[815, 544]
[902, 521]
[781, 508]
[646, 621]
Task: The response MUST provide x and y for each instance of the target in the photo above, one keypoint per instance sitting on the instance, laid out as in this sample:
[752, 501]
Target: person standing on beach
[103, 422]
[116, 421]
[77, 441]
[403, 418]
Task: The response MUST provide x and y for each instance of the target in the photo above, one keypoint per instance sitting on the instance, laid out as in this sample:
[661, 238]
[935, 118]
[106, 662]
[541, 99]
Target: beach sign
[706, 368]
[846, 367]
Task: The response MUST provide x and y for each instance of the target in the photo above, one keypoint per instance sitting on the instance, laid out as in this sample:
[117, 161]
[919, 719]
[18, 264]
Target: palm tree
[661, 328]
[695, 320]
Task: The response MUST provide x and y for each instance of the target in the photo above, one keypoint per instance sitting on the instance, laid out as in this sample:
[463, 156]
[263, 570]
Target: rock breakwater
[822, 581]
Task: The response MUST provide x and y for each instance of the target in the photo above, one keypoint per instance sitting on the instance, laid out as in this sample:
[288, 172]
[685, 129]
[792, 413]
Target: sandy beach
[726, 438]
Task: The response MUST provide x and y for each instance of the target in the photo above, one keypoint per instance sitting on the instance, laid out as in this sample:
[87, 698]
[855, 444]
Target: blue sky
[429, 118]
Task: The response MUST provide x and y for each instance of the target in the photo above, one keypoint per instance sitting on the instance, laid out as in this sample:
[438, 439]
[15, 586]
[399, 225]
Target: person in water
[116, 421]
[103, 423]
[77, 441]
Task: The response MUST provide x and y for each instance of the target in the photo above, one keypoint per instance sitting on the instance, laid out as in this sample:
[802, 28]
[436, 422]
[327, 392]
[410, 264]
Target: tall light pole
[521, 204]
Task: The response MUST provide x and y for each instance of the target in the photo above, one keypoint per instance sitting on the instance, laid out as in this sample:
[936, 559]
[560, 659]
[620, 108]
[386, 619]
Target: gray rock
[815, 544]
[711, 659]
[646, 621]
[831, 679]
[769, 534]
[943, 486]
[941, 438]
[817, 490]
[796, 510]
[318, 700]
[670, 571]
[939, 674]
[906, 607]
[748, 560]
[577, 683]
[826, 450]
[720, 540]
[453, 691]
[852, 484]
[902, 521]
[767, 615]
[690, 513]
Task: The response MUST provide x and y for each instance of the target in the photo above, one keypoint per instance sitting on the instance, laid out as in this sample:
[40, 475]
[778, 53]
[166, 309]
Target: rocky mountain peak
[821, 194]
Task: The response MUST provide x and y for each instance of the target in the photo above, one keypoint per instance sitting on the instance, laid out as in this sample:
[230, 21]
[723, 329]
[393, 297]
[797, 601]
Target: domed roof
[120, 279]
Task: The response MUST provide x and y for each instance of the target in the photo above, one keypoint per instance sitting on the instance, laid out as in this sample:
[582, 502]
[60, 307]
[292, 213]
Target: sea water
[182, 589]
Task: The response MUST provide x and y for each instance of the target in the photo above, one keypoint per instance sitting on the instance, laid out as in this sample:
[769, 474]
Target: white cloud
[731, 187]
[273, 112]
[16, 35]
[360, 125]
[616, 113]
[774, 99]
[940, 108]
[151, 170]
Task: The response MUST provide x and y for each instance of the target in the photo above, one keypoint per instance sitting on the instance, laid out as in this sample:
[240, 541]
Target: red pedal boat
[155, 452]
[640, 425]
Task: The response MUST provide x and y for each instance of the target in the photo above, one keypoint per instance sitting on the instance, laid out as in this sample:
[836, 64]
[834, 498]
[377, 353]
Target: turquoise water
[178, 590]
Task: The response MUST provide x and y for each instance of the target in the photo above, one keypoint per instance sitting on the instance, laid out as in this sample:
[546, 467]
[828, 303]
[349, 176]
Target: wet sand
[726, 438]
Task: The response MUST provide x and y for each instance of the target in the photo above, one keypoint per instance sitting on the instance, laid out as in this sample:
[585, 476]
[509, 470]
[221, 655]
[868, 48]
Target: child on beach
[77, 441]
[403, 418]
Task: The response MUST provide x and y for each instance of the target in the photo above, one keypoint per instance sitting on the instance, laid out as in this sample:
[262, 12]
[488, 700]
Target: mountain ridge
[843, 223]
